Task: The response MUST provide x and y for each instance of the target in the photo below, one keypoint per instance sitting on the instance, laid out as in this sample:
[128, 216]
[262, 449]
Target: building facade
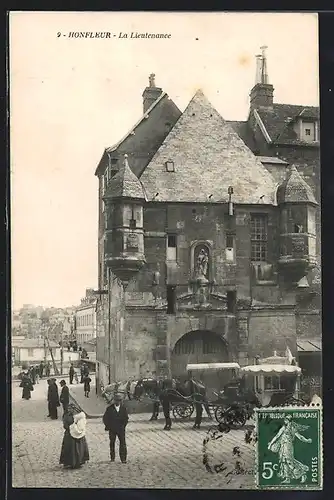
[85, 319]
[209, 236]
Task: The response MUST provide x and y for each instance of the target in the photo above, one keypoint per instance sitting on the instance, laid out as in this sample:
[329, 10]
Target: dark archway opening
[199, 346]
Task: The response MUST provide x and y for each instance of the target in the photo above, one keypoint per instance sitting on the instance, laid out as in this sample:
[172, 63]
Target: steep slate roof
[295, 189]
[279, 120]
[209, 156]
[125, 184]
[113, 150]
[143, 117]
[244, 132]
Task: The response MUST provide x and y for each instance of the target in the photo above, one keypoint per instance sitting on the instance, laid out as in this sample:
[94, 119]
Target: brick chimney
[262, 94]
[151, 93]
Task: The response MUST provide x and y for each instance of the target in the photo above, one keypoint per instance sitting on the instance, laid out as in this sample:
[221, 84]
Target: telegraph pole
[61, 349]
[106, 292]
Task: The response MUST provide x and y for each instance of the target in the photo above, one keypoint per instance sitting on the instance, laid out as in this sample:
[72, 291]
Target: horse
[168, 391]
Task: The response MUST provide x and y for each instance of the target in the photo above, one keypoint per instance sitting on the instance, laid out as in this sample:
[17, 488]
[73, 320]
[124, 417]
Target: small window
[170, 166]
[30, 352]
[271, 383]
[133, 223]
[231, 301]
[229, 241]
[259, 237]
[298, 228]
[308, 132]
[172, 241]
[171, 247]
[171, 299]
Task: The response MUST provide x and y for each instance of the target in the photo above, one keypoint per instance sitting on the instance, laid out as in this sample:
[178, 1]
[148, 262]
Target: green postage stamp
[289, 448]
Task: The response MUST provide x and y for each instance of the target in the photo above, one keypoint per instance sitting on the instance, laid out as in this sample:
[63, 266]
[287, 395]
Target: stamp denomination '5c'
[289, 448]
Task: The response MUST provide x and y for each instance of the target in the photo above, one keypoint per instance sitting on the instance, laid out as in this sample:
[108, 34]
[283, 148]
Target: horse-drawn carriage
[275, 380]
[212, 386]
[226, 391]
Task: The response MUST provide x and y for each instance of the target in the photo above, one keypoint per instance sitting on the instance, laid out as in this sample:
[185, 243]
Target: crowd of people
[74, 449]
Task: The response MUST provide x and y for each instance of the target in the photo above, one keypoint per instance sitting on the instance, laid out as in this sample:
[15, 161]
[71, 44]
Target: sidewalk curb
[88, 415]
[91, 416]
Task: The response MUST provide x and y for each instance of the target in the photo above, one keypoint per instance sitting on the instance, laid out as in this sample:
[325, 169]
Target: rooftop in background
[32, 343]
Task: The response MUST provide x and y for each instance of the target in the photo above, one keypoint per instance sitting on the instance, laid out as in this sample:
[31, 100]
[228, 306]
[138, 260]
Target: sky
[72, 97]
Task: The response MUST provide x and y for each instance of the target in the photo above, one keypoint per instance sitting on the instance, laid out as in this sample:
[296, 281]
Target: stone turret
[124, 233]
[297, 227]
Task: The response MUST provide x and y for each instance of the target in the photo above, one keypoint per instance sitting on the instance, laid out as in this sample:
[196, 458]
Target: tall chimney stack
[151, 93]
[262, 94]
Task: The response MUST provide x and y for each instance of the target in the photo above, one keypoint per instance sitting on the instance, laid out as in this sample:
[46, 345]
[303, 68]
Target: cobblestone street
[156, 458]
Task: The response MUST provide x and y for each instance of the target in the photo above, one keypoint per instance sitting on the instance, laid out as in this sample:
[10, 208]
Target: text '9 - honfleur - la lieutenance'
[108, 34]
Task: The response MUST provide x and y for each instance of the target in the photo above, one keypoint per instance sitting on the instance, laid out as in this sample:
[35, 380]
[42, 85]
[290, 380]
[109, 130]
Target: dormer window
[170, 167]
[308, 131]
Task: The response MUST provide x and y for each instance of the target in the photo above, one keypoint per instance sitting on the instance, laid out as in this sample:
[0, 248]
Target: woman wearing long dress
[74, 450]
[27, 386]
[53, 399]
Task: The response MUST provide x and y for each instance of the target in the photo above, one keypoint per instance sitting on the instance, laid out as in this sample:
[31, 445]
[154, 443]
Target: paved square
[156, 458]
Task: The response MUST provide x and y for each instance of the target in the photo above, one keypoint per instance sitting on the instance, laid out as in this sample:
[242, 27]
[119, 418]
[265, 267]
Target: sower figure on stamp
[115, 421]
[283, 444]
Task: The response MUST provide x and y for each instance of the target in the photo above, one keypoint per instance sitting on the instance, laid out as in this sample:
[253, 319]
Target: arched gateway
[200, 346]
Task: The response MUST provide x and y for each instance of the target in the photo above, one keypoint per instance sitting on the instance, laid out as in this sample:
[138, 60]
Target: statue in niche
[202, 263]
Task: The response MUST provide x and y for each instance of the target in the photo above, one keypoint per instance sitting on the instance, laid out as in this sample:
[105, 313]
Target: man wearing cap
[115, 421]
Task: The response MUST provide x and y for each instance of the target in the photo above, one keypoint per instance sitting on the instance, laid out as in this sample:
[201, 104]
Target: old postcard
[166, 260]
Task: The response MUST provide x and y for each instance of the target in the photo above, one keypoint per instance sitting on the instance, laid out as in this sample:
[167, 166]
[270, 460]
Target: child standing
[87, 380]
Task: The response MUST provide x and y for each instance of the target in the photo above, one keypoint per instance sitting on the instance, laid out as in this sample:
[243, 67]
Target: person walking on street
[37, 373]
[64, 395]
[87, 380]
[82, 374]
[47, 369]
[27, 386]
[33, 375]
[71, 373]
[41, 369]
[74, 450]
[53, 399]
[115, 421]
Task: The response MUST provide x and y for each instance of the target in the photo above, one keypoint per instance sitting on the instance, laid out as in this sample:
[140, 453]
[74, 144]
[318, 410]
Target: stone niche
[201, 261]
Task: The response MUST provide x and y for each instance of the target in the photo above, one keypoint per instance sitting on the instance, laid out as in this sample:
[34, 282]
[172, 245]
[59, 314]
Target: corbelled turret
[124, 249]
[297, 229]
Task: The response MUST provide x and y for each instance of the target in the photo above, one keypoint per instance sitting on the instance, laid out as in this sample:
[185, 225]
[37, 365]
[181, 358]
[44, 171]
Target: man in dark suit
[115, 421]
[64, 395]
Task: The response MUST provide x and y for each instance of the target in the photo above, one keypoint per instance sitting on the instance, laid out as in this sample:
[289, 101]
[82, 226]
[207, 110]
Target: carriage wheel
[152, 395]
[219, 414]
[183, 411]
[235, 418]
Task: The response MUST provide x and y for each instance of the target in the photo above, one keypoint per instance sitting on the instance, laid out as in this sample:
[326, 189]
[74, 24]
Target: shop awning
[313, 345]
[212, 366]
[270, 369]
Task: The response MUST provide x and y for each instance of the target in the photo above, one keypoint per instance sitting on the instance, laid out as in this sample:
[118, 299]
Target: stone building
[209, 236]
[85, 319]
